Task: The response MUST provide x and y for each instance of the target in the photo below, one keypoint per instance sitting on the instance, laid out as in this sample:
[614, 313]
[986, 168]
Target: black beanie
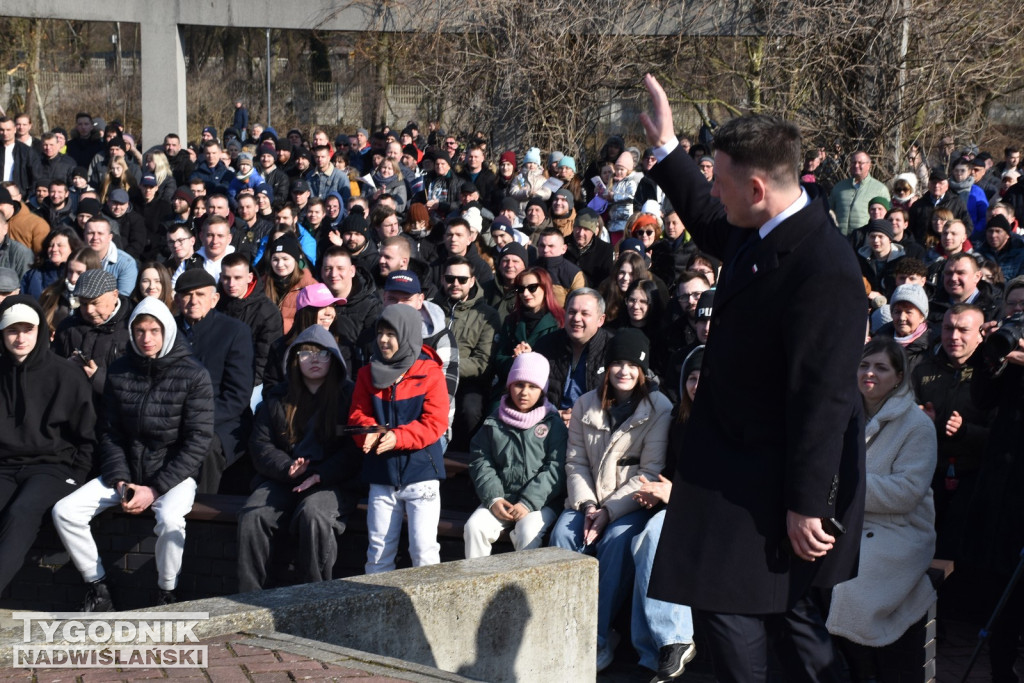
[630, 345]
[514, 249]
[999, 221]
[882, 225]
[537, 201]
[356, 221]
[286, 244]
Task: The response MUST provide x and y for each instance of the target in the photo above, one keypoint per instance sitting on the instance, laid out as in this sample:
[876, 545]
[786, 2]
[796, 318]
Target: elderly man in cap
[149, 453]
[99, 238]
[96, 334]
[937, 197]
[591, 254]
[224, 347]
[46, 429]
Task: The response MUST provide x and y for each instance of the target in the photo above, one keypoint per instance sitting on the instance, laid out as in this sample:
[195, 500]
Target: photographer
[996, 515]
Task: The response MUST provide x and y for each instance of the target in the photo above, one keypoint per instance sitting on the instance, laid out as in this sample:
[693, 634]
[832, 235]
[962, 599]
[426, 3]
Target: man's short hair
[689, 276]
[457, 260]
[321, 148]
[316, 201]
[48, 135]
[460, 223]
[552, 232]
[963, 255]
[1010, 150]
[177, 227]
[83, 115]
[211, 143]
[59, 182]
[214, 219]
[236, 259]
[906, 214]
[338, 250]
[1010, 213]
[766, 143]
[398, 241]
[172, 136]
[100, 218]
[908, 266]
[586, 291]
[957, 309]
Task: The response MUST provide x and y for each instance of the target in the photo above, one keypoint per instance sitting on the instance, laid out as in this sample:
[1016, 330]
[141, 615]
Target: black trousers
[273, 515]
[26, 495]
[740, 644]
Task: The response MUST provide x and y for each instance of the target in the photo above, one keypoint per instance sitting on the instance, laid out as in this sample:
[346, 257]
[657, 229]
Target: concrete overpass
[163, 62]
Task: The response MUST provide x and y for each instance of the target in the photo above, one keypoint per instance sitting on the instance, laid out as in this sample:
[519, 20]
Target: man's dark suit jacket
[777, 422]
[26, 168]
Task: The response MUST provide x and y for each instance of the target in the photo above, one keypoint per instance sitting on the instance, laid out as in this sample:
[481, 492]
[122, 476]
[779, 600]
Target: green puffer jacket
[520, 465]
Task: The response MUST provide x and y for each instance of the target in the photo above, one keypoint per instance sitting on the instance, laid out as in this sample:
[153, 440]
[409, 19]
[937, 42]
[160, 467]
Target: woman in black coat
[306, 469]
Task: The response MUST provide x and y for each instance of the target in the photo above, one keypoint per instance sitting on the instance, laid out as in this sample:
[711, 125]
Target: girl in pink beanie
[519, 463]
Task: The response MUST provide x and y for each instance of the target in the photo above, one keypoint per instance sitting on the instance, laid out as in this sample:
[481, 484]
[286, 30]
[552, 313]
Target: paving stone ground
[241, 658]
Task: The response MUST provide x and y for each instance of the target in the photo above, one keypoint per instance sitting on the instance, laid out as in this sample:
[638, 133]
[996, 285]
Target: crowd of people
[314, 320]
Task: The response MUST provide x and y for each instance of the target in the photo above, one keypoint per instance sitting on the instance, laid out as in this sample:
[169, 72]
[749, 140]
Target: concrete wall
[525, 616]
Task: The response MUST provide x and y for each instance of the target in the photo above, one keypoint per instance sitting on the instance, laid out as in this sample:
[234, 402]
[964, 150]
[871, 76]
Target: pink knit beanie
[530, 367]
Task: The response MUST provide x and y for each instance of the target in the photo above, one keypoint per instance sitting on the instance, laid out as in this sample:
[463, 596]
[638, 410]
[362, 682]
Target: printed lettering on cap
[401, 278]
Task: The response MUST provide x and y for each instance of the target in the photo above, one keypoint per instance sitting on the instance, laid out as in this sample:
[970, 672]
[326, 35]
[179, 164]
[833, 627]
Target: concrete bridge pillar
[163, 78]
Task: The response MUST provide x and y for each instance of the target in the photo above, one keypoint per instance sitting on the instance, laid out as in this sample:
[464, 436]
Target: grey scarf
[406, 321]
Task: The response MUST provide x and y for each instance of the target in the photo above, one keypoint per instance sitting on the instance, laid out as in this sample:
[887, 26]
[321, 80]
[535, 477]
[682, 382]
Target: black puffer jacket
[158, 412]
[102, 343]
[556, 347]
[46, 415]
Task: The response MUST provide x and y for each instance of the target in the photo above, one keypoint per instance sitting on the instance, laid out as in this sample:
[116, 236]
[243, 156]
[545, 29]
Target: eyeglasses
[646, 233]
[322, 354]
[637, 302]
[461, 279]
[180, 240]
[531, 288]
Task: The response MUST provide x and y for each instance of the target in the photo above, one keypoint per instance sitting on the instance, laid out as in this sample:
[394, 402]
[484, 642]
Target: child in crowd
[403, 392]
[619, 195]
[519, 463]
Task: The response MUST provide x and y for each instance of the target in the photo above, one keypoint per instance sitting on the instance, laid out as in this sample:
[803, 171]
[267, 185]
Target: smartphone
[833, 526]
[78, 355]
[127, 493]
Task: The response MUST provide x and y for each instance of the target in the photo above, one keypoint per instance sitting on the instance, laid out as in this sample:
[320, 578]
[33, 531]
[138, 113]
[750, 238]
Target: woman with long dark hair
[306, 471]
[288, 275]
[49, 266]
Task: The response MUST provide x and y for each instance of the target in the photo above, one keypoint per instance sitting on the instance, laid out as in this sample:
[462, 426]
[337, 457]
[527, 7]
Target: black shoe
[98, 598]
[166, 598]
[672, 659]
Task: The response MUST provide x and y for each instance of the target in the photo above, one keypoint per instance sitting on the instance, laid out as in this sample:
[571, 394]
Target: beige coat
[605, 466]
[892, 591]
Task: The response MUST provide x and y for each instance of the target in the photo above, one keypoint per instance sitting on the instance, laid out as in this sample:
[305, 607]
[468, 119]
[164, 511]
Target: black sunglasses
[531, 288]
[451, 279]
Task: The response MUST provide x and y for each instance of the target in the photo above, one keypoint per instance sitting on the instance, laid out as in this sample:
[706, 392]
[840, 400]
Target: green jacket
[508, 338]
[520, 465]
[474, 325]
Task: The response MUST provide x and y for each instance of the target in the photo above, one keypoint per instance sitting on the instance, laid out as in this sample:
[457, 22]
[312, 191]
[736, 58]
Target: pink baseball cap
[318, 296]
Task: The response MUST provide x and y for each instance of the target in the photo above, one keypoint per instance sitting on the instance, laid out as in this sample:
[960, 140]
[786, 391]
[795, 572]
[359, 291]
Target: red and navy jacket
[416, 409]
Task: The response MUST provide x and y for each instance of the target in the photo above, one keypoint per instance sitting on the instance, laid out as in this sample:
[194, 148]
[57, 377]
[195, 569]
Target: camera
[1004, 339]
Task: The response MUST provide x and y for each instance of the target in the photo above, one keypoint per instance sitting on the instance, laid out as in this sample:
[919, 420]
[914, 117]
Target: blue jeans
[615, 562]
[655, 623]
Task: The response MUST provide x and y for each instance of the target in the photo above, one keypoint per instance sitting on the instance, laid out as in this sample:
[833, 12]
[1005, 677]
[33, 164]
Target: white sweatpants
[421, 502]
[72, 514]
[483, 529]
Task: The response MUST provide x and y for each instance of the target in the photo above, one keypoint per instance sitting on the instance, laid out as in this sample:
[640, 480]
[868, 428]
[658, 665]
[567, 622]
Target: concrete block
[524, 616]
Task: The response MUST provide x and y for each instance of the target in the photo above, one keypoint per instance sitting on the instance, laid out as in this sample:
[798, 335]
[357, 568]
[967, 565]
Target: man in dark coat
[223, 346]
[592, 255]
[19, 157]
[937, 197]
[361, 306]
[774, 448]
[242, 298]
